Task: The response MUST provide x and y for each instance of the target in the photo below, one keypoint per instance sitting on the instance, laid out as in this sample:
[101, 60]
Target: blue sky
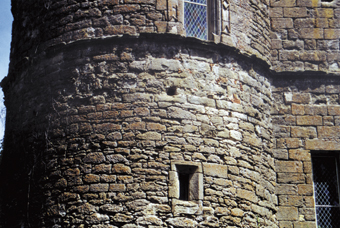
[5, 41]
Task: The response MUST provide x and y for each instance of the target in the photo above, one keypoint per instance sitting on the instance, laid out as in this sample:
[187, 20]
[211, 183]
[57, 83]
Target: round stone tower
[139, 113]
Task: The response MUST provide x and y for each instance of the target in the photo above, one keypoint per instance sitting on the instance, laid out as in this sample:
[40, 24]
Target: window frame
[195, 185]
[216, 23]
[336, 156]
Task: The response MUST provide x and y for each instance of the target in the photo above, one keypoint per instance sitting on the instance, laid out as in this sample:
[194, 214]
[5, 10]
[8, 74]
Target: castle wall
[110, 109]
[113, 118]
[305, 36]
[43, 24]
[305, 120]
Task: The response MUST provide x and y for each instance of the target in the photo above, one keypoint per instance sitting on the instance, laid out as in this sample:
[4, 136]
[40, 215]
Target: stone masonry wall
[250, 28]
[112, 118]
[39, 25]
[306, 119]
[305, 35]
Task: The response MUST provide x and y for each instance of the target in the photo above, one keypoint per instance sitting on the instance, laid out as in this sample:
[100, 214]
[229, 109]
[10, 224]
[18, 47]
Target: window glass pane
[195, 18]
[198, 1]
[328, 217]
[325, 181]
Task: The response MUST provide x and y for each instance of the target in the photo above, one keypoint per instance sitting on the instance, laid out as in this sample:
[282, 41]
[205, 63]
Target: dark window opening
[327, 0]
[326, 189]
[183, 186]
[188, 182]
[172, 91]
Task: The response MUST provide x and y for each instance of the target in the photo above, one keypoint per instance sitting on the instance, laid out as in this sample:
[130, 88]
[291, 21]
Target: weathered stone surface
[174, 112]
[122, 106]
[182, 222]
[303, 132]
[287, 213]
[215, 170]
[248, 195]
[319, 144]
[288, 166]
[309, 120]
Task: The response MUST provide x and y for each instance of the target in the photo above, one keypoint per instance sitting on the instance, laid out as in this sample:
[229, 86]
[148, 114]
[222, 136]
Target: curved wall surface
[112, 127]
[43, 24]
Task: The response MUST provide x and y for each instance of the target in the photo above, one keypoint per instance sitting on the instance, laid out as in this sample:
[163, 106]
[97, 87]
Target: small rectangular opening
[184, 180]
[186, 185]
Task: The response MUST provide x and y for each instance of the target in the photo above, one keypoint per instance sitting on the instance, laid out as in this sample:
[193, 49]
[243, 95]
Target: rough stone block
[99, 187]
[295, 12]
[288, 166]
[174, 112]
[324, 12]
[300, 155]
[310, 33]
[321, 23]
[313, 110]
[161, 4]
[320, 144]
[280, 153]
[286, 189]
[331, 34]
[276, 44]
[328, 131]
[332, 89]
[305, 189]
[291, 178]
[202, 101]
[291, 44]
[291, 200]
[304, 23]
[308, 213]
[126, 8]
[314, 56]
[287, 214]
[117, 188]
[283, 3]
[120, 168]
[215, 170]
[248, 195]
[333, 110]
[182, 222]
[144, 97]
[276, 12]
[305, 224]
[150, 136]
[299, 98]
[309, 120]
[110, 2]
[292, 142]
[280, 23]
[298, 109]
[308, 3]
[289, 55]
[96, 157]
[91, 178]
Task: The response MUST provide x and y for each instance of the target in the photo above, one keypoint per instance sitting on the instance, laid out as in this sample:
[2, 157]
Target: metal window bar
[326, 189]
[195, 18]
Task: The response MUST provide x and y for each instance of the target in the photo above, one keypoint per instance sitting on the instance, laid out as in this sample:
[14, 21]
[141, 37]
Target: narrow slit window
[326, 189]
[186, 181]
[195, 18]
[183, 186]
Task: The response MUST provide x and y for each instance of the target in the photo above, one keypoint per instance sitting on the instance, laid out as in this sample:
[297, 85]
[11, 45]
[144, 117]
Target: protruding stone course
[125, 126]
[104, 97]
